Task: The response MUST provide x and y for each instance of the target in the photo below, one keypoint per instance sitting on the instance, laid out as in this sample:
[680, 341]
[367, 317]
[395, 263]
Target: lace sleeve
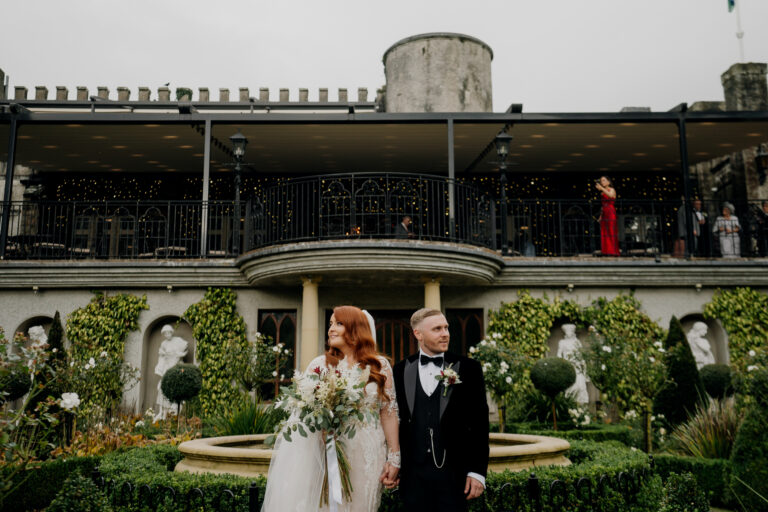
[318, 362]
[389, 407]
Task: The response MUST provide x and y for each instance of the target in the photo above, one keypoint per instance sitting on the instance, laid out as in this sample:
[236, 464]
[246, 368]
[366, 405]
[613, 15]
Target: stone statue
[568, 348]
[37, 335]
[702, 351]
[172, 351]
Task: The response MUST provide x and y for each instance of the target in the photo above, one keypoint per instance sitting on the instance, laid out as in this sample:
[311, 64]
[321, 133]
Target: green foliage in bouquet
[717, 380]
[217, 326]
[678, 398]
[683, 494]
[80, 494]
[750, 449]
[101, 327]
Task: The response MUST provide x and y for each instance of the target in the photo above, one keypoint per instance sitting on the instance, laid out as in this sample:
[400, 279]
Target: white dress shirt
[427, 374]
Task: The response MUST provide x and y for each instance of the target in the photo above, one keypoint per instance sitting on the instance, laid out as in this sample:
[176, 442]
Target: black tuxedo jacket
[463, 413]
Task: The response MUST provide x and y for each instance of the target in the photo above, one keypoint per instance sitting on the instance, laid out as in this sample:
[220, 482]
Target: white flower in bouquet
[752, 353]
[608, 349]
[70, 401]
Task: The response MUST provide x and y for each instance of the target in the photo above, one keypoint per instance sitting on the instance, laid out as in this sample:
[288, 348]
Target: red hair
[357, 334]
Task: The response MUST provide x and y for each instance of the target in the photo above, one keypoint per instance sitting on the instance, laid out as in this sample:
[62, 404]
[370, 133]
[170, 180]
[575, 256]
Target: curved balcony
[370, 206]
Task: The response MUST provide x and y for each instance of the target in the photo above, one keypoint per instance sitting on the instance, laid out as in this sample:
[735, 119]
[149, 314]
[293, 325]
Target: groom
[443, 425]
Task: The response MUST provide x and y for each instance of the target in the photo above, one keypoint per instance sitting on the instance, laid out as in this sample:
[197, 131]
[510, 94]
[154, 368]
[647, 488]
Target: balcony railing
[368, 207]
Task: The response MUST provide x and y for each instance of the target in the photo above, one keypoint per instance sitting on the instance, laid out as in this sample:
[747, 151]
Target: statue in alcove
[569, 348]
[172, 351]
[702, 350]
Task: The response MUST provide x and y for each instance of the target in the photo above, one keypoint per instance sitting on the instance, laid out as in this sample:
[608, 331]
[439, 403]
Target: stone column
[102, 92]
[123, 94]
[303, 95]
[284, 95]
[245, 94]
[82, 93]
[223, 95]
[310, 322]
[264, 94]
[362, 94]
[343, 96]
[41, 92]
[203, 94]
[163, 94]
[745, 87]
[431, 292]
[61, 93]
[20, 93]
[323, 95]
[144, 93]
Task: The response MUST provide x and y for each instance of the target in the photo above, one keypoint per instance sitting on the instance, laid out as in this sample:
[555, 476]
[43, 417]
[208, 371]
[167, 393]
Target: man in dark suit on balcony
[443, 421]
[403, 230]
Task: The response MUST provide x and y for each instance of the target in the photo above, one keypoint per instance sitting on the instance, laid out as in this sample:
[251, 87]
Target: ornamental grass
[710, 432]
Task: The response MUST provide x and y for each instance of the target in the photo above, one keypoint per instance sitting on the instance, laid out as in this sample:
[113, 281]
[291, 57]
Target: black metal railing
[366, 206]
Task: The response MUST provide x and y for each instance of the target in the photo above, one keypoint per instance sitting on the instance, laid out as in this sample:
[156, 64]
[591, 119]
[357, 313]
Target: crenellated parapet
[166, 94]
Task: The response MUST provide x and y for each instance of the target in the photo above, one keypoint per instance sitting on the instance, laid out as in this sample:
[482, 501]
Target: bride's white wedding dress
[296, 473]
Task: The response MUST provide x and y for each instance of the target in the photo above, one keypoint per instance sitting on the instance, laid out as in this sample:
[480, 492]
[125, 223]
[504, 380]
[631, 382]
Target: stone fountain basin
[248, 456]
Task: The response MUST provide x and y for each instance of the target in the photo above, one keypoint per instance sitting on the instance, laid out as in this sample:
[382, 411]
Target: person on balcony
[726, 229]
[404, 229]
[700, 230]
[762, 229]
[609, 238]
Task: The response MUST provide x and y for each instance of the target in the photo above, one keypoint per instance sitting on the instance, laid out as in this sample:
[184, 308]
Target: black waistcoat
[426, 417]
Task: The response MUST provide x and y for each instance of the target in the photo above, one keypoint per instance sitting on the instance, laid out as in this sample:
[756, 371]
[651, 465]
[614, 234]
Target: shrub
[710, 433]
[595, 432]
[682, 494]
[717, 380]
[552, 376]
[36, 486]
[535, 406]
[182, 382]
[750, 450]
[14, 385]
[79, 494]
[712, 475]
[250, 417]
[678, 397]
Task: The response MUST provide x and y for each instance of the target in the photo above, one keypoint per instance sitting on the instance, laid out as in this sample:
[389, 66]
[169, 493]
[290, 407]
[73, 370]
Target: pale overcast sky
[550, 55]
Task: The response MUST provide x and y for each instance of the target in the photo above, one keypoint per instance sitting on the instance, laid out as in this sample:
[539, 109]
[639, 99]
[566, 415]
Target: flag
[731, 5]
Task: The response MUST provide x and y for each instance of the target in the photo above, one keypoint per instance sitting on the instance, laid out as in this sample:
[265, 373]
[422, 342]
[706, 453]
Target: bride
[297, 470]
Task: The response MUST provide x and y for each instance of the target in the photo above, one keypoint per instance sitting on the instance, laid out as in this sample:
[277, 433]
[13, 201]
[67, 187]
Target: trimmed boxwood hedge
[42, 481]
[153, 466]
[711, 474]
[596, 433]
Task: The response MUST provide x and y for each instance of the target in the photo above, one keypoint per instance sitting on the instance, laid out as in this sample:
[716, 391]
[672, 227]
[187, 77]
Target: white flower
[658, 344]
[496, 335]
[602, 367]
[274, 373]
[606, 348]
[70, 400]
[103, 354]
[54, 350]
[659, 415]
[275, 349]
[508, 380]
[662, 350]
[257, 334]
[751, 367]
[586, 420]
[652, 359]
[631, 414]
[472, 350]
[483, 343]
[286, 351]
[752, 353]
[591, 328]
[633, 448]
[139, 424]
[493, 342]
[282, 376]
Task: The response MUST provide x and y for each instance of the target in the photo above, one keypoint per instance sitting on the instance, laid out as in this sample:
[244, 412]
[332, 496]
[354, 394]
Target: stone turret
[745, 87]
[439, 72]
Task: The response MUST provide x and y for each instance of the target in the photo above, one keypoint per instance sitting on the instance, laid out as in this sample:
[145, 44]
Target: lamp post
[761, 162]
[239, 142]
[502, 141]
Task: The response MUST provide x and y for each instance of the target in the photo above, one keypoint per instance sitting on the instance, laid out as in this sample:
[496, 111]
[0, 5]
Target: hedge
[42, 481]
[154, 465]
[711, 474]
[597, 433]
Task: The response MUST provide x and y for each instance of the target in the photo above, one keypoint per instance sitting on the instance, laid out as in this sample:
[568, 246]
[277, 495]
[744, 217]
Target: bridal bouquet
[333, 403]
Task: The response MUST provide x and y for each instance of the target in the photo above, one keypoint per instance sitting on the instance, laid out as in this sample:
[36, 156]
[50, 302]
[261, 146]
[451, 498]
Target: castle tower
[745, 87]
[438, 72]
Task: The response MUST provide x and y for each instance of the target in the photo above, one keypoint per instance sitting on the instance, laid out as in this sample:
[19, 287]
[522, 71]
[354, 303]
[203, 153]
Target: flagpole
[739, 31]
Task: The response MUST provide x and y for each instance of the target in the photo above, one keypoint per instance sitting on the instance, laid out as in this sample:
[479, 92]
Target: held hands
[473, 488]
[390, 477]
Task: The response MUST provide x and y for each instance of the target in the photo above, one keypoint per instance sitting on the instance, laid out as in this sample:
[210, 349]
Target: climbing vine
[97, 335]
[524, 327]
[744, 315]
[216, 325]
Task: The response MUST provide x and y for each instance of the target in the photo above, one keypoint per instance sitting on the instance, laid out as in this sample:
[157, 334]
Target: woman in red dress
[609, 238]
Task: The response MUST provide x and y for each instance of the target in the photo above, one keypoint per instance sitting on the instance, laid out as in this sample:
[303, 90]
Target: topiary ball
[182, 382]
[717, 380]
[16, 384]
[553, 375]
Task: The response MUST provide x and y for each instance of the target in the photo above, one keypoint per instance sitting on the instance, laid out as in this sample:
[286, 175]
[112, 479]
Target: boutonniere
[448, 377]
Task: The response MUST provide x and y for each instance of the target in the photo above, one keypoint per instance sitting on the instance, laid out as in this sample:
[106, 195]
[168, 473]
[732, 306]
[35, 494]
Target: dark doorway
[466, 327]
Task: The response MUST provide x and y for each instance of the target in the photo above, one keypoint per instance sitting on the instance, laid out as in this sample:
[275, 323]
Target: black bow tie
[437, 360]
